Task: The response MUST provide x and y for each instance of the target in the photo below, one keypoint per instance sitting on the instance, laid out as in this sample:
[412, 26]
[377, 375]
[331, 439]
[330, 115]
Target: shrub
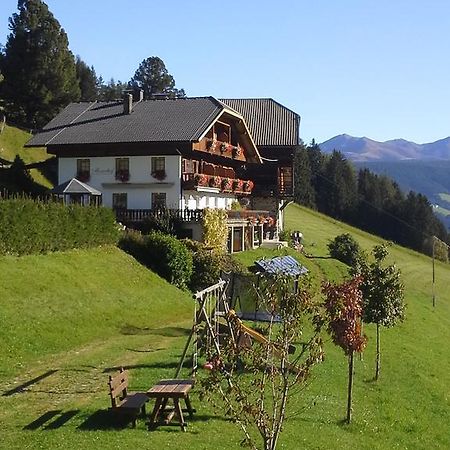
[30, 226]
[162, 253]
[209, 264]
[345, 248]
[165, 222]
[285, 235]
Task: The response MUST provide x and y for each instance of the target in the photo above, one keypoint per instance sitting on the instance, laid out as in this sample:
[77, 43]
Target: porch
[247, 229]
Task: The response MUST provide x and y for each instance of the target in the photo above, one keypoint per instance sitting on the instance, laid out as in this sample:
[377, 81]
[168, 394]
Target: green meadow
[69, 319]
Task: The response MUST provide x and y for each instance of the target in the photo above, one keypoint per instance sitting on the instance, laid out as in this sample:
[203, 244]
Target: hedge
[31, 226]
[162, 253]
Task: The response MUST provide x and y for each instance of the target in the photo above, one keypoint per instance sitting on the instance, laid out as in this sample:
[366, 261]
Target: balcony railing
[138, 215]
[224, 148]
[224, 184]
[253, 217]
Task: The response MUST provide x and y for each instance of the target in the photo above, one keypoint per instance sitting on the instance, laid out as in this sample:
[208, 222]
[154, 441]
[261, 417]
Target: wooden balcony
[253, 217]
[224, 184]
[138, 215]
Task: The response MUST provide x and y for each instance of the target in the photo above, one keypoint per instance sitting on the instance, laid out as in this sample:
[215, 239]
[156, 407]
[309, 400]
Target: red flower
[123, 175]
[215, 181]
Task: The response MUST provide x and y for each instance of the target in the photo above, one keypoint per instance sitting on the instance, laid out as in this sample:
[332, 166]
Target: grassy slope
[409, 406]
[119, 313]
[12, 142]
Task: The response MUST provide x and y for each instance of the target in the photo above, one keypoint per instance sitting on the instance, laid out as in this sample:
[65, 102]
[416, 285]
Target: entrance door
[237, 239]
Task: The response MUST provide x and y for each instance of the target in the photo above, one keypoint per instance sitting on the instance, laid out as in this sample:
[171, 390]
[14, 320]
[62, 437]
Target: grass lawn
[12, 142]
[70, 318]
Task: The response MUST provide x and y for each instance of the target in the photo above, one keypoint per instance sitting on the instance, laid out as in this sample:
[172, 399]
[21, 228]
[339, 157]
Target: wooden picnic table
[165, 390]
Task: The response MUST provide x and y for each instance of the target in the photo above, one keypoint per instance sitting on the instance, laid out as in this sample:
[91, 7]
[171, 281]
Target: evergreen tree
[317, 164]
[113, 90]
[340, 194]
[303, 188]
[39, 69]
[19, 179]
[87, 80]
[153, 78]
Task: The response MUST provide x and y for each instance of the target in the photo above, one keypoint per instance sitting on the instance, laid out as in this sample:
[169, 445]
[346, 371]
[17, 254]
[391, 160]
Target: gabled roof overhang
[253, 155]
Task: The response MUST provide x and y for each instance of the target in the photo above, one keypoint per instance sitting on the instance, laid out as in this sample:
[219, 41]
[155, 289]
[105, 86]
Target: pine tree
[303, 189]
[87, 80]
[340, 194]
[153, 78]
[113, 90]
[38, 67]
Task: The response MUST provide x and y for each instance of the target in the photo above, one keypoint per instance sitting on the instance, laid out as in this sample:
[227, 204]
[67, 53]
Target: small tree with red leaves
[344, 309]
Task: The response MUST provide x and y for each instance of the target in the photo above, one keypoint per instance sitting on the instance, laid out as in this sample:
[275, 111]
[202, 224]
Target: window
[83, 169]
[159, 167]
[285, 181]
[158, 200]
[119, 201]
[122, 169]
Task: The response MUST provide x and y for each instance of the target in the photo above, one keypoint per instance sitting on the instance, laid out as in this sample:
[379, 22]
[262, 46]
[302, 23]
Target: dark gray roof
[75, 186]
[270, 123]
[175, 120]
[281, 265]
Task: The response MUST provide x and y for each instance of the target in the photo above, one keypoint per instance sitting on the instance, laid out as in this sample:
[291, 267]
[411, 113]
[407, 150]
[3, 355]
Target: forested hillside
[376, 203]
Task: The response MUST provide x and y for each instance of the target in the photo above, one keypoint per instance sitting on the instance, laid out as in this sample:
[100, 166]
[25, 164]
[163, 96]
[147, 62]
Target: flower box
[201, 179]
[84, 177]
[238, 185]
[237, 151]
[123, 175]
[159, 174]
[227, 184]
[215, 181]
[248, 186]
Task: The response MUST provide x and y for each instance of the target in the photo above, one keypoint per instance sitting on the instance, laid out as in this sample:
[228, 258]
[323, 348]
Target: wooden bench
[122, 401]
[164, 391]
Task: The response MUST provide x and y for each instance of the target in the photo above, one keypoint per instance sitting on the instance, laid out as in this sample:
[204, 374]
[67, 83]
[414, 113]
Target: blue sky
[379, 69]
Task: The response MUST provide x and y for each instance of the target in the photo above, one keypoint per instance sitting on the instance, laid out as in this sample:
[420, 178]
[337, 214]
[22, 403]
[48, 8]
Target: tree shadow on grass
[157, 365]
[164, 331]
[46, 420]
[29, 383]
[105, 419]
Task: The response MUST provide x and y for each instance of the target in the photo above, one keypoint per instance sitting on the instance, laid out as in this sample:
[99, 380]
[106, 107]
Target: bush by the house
[162, 253]
[345, 248]
[166, 222]
[30, 226]
[209, 264]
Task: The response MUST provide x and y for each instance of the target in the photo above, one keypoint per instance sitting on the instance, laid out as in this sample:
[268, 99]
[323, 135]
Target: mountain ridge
[366, 149]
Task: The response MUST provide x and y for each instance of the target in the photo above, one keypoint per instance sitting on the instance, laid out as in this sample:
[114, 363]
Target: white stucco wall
[140, 185]
[202, 200]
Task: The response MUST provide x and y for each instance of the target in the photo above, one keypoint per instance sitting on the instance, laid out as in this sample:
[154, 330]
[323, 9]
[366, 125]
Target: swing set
[215, 323]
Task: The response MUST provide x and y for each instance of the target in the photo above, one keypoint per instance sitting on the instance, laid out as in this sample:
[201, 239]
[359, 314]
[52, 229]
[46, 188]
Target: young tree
[383, 295]
[38, 67]
[344, 308]
[87, 80]
[153, 78]
[254, 382]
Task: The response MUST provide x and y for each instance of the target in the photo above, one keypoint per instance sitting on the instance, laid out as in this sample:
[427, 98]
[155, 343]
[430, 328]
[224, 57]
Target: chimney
[140, 95]
[127, 103]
